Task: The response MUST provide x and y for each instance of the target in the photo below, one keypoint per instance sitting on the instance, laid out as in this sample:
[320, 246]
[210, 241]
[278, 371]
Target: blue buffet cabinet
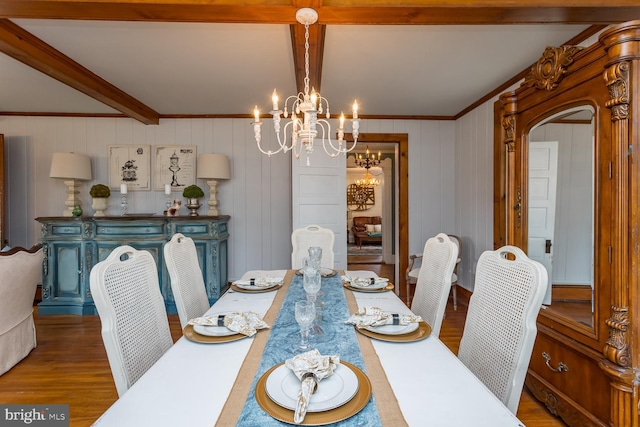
[72, 246]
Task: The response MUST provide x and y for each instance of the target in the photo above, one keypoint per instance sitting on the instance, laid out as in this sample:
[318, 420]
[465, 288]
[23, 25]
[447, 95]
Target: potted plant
[100, 194]
[193, 193]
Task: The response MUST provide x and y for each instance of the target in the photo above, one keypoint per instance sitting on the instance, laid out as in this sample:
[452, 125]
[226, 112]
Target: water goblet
[305, 312]
[311, 282]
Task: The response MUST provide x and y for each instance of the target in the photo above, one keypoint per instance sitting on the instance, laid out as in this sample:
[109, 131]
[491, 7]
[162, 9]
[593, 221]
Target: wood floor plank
[70, 366]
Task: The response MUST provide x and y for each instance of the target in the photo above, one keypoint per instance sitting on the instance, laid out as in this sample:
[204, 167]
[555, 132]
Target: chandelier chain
[306, 58]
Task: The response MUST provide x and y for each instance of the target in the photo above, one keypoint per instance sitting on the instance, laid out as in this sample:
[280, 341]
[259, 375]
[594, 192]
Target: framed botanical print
[131, 165]
[174, 165]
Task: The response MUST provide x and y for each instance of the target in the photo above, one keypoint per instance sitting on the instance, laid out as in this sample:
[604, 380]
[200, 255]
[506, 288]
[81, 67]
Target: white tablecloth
[189, 385]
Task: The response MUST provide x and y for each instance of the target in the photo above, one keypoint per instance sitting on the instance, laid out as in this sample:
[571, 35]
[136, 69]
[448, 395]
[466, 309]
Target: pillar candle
[123, 188]
[167, 189]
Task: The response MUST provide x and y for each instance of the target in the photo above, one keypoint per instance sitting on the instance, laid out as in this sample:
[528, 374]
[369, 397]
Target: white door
[543, 177]
[319, 196]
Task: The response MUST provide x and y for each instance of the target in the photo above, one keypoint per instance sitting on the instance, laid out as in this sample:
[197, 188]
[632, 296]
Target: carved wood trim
[551, 67]
[559, 404]
[617, 81]
[617, 347]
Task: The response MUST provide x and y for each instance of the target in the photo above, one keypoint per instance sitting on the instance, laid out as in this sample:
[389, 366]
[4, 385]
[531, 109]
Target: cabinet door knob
[561, 366]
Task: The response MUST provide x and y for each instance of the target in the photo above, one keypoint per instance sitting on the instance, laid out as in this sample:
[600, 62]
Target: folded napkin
[374, 316]
[363, 282]
[246, 323]
[310, 368]
[259, 282]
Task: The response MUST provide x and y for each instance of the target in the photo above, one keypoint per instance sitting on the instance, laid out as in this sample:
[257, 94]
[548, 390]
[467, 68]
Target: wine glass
[311, 282]
[305, 312]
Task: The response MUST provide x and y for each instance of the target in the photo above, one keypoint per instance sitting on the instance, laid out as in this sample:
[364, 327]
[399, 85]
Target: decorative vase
[193, 204]
[99, 205]
[77, 211]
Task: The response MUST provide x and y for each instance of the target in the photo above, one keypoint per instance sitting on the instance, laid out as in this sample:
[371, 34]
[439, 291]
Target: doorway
[397, 245]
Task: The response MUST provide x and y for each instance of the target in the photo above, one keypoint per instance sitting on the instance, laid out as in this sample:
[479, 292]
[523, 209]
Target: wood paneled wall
[257, 197]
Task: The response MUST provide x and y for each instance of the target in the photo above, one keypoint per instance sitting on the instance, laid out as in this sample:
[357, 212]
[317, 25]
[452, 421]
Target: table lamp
[213, 167]
[71, 167]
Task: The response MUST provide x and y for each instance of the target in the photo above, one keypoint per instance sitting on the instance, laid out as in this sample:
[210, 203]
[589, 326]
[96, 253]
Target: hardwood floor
[70, 366]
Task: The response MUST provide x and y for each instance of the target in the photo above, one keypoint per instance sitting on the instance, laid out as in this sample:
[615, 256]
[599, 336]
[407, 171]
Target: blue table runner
[339, 338]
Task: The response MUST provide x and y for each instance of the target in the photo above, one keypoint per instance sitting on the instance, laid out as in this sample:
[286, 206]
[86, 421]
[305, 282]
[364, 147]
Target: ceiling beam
[316, 49]
[384, 12]
[30, 50]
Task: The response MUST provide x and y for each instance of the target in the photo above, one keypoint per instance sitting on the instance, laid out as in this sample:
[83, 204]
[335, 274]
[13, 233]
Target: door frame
[402, 243]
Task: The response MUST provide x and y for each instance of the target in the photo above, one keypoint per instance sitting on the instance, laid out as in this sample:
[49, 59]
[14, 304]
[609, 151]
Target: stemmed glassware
[311, 281]
[305, 312]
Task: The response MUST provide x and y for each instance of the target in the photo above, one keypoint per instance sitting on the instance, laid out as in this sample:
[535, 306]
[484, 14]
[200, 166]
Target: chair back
[135, 328]
[187, 283]
[20, 272]
[434, 280]
[500, 328]
[312, 235]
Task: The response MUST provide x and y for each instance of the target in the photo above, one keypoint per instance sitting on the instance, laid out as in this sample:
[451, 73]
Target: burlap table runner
[389, 412]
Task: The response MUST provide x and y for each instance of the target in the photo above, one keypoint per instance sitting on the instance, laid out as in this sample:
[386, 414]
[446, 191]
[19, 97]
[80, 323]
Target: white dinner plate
[213, 331]
[269, 282]
[282, 387]
[378, 285]
[393, 329]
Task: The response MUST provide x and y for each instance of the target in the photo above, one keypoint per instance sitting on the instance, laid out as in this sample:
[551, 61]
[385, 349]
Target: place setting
[257, 284]
[366, 284]
[223, 327]
[313, 389]
[393, 327]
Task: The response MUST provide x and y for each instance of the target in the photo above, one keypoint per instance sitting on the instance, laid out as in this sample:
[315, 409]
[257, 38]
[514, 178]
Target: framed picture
[131, 165]
[174, 165]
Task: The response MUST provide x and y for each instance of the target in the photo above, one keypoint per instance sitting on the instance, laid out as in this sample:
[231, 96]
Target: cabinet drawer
[193, 230]
[121, 230]
[583, 381]
[66, 230]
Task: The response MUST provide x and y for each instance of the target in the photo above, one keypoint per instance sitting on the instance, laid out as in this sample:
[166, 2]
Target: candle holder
[123, 204]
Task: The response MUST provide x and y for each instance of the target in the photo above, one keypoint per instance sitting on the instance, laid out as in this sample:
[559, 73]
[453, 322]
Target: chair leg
[455, 297]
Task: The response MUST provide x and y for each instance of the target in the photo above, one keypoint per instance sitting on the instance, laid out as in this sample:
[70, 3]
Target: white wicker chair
[434, 280]
[20, 272]
[312, 235]
[500, 328]
[135, 328]
[413, 270]
[187, 284]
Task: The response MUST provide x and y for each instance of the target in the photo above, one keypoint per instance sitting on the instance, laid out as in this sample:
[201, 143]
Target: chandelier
[367, 162]
[305, 107]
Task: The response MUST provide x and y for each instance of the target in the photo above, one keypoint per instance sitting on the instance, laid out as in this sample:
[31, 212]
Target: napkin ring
[315, 380]
[372, 281]
[252, 282]
[221, 320]
[396, 318]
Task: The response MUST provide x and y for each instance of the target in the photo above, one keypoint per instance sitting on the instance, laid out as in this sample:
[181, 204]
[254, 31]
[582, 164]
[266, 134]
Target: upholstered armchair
[20, 271]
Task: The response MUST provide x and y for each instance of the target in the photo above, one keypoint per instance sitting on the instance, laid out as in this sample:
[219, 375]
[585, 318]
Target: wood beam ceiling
[28, 49]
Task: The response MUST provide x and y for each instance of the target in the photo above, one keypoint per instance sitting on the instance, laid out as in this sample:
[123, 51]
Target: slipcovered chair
[20, 272]
[187, 284]
[312, 235]
[411, 275]
[434, 281]
[500, 327]
[135, 328]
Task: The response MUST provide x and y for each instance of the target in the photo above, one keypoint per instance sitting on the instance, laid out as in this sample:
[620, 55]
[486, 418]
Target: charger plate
[352, 407]
[257, 290]
[192, 335]
[389, 287]
[423, 331]
[324, 272]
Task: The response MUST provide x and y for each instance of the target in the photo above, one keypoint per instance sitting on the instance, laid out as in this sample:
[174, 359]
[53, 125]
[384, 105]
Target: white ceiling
[215, 68]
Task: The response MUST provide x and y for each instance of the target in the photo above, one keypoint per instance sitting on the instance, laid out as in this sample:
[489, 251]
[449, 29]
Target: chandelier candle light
[305, 108]
[368, 162]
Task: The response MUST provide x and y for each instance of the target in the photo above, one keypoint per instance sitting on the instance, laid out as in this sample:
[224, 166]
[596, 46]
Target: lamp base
[72, 197]
[213, 198]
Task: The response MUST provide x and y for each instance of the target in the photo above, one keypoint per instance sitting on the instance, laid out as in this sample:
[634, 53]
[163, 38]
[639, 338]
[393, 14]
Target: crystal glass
[311, 281]
[305, 312]
[315, 257]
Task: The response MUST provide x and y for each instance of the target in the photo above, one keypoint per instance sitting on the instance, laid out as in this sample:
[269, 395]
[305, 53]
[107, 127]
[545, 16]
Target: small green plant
[192, 192]
[100, 190]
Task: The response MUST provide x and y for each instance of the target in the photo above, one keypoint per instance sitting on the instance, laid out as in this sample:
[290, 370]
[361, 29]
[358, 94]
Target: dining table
[210, 381]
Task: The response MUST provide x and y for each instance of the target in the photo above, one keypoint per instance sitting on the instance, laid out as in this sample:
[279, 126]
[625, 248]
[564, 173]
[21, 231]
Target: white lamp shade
[70, 166]
[213, 166]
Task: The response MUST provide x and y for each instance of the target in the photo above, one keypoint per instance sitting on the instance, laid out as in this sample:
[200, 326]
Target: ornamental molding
[551, 67]
[616, 348]
[616, 78]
